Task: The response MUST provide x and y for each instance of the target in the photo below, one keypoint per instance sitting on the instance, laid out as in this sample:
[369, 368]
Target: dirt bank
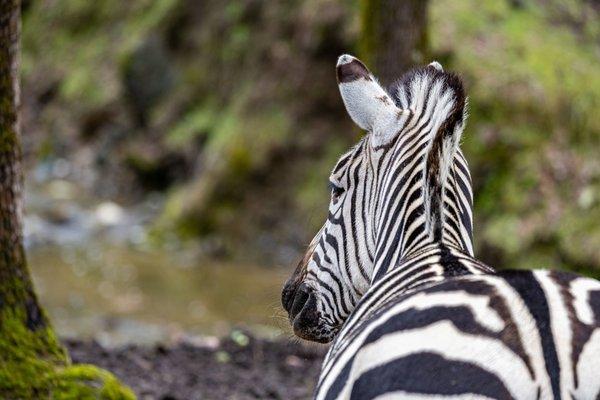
[238, 367]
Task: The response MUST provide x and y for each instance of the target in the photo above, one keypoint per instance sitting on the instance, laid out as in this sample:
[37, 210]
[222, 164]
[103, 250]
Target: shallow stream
[99, 277]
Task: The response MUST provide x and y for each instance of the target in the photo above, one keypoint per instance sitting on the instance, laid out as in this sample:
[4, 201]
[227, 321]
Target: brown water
[119, 294]
[99, 276]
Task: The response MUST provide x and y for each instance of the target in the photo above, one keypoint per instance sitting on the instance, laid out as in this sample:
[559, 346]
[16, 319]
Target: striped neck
[423, 184]
[400, 229]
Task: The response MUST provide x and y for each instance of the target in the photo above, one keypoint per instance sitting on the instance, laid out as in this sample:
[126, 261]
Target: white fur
[370, 107]
[437, 66]
[581, 288]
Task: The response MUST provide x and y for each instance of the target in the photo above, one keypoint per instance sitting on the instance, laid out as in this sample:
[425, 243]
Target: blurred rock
[109, 213]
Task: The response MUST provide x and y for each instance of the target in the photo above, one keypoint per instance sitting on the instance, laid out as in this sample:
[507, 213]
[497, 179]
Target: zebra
[391, 277]
[376, 219]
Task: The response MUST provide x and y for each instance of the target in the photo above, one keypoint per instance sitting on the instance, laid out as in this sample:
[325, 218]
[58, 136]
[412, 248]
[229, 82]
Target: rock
[109, 213]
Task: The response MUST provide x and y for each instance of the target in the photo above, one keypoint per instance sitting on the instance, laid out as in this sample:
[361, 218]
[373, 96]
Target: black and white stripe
[511, 335]
[391, 274]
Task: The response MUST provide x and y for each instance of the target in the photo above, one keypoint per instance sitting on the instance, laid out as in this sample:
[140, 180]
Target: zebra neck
[401, 226]
[432, 263]
[427, 263]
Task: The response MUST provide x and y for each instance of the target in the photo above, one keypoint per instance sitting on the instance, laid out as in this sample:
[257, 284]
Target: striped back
[510, 335]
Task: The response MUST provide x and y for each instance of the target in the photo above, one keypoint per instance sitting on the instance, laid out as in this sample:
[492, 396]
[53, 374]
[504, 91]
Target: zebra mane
[438, 96]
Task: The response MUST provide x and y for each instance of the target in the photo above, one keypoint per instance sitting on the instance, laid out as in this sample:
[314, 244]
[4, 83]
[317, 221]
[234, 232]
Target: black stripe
[338, 384]
[429, 373]
[594, 301]
[528, 287]
[335, 279]
[326, 298]
[451, 264]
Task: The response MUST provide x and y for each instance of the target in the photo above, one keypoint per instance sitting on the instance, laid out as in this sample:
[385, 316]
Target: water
[98, 275]
[118, 294]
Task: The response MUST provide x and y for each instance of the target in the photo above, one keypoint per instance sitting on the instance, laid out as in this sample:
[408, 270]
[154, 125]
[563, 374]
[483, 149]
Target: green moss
[7, 139]
[86, 382]
[25, 355]
[8, 136]
[33, 365]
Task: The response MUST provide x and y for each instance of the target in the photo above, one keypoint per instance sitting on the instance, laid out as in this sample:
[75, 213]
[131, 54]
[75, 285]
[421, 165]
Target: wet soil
[241, 367]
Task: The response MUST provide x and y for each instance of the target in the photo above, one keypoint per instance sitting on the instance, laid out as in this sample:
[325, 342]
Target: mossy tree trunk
[18, 302]
[33, 364]
[394, 36]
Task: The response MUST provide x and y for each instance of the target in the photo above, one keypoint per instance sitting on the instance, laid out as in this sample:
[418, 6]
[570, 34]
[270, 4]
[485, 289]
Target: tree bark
[394, 36]
[16, 290]
[24, 328]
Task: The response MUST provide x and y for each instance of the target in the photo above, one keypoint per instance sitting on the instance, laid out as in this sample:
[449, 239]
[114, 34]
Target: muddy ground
[238, 367]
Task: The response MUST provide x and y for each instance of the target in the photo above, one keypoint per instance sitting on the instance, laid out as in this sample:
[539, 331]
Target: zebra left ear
[369, 106]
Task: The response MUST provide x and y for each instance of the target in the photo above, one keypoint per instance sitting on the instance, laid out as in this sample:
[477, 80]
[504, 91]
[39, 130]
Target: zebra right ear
[367, 103]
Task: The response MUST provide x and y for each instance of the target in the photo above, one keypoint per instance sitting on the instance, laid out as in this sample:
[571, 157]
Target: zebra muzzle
[301, 305]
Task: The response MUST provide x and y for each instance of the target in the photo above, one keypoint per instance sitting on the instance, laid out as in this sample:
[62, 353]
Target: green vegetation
[533, 133]
[236, 145]
[244, 95]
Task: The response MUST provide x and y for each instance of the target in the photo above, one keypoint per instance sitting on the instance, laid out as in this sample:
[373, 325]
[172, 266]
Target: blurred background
[178, 151]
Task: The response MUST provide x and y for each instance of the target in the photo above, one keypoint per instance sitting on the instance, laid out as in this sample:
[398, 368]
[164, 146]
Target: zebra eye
[336, 191]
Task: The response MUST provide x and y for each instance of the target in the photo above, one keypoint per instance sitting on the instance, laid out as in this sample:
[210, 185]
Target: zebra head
[404, 186]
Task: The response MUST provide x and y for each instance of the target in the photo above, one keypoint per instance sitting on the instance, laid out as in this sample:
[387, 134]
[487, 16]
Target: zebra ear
[436, 65]
[367, 103]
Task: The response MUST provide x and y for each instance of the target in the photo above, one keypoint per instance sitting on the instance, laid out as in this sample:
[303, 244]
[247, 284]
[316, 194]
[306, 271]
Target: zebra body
[510, 335]
[392, 276]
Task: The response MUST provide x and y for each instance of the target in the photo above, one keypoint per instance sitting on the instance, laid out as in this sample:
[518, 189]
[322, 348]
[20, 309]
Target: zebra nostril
[300, 299]
[287, 296]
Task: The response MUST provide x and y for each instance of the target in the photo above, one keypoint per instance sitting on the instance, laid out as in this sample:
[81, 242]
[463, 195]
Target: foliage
[69, 36]
[534, 90]
[236, 145]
